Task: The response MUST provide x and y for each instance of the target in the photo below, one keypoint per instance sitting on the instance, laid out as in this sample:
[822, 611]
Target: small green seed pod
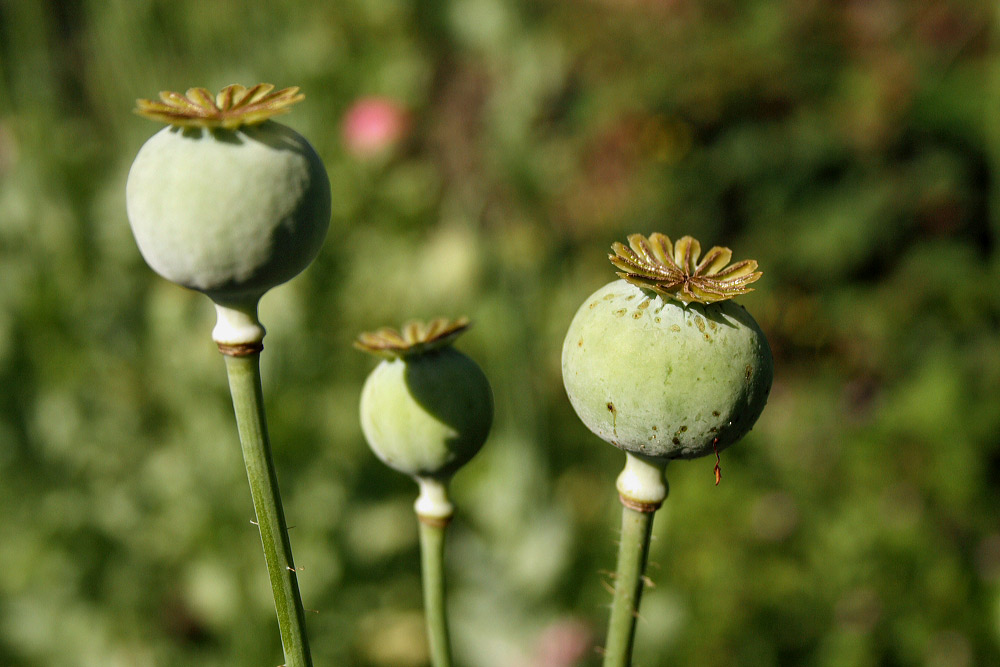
[659, 363]
[226, 201]
[426, 409]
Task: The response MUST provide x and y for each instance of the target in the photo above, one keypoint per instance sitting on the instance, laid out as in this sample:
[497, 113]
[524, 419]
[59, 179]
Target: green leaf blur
[851, 148]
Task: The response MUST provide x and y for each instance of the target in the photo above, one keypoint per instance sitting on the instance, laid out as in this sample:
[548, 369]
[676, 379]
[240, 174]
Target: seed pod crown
[673, 269]
[414, 337]
[232, 107]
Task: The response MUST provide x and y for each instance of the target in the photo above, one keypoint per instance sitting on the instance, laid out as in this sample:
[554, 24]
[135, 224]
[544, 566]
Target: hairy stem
[632, 552]
[248, 402]
[642, 488]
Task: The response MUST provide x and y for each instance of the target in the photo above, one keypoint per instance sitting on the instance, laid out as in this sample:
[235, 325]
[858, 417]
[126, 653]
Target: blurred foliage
[851, 148]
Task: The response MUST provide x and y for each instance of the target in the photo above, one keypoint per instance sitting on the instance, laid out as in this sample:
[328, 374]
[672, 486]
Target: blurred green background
[852, 148]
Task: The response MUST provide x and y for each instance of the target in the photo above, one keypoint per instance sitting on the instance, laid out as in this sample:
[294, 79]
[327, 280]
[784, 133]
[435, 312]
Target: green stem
[434, 512]
[432, 569]
[642, 487]
[248, 401]
[632, 552]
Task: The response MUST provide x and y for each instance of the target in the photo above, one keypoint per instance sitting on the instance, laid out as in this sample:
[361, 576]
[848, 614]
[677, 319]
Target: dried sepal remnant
[674, 269]
[414, 337]
[234, 106]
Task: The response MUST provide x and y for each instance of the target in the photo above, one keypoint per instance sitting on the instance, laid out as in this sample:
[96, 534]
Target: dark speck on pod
[637, 314]
[619, 312]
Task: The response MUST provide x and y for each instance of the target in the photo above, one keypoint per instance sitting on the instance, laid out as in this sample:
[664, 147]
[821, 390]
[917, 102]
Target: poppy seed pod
[660, 377]
[226, 201]
[426, 409]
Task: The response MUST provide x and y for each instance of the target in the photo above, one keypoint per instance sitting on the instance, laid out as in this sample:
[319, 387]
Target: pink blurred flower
[564, 643]
[373, 126]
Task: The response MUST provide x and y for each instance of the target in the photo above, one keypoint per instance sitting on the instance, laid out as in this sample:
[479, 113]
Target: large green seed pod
[659, 377]
[225, 201]
[230, 203]
[427, 409]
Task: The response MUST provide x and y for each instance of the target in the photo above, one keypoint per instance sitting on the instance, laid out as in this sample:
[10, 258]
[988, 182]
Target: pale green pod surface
[230, 213]
[658, 378]
[427, 414]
